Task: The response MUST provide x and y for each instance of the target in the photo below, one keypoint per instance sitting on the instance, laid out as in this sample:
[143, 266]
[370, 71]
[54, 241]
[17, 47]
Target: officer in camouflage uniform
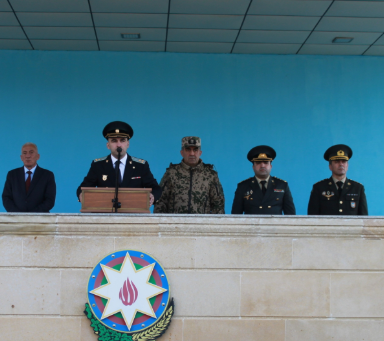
[190, 186]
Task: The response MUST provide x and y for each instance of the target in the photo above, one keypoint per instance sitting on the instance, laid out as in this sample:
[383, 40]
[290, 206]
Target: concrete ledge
[294, 278]
[184, 225]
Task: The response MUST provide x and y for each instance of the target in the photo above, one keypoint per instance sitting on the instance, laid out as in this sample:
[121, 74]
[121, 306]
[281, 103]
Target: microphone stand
[116, 203]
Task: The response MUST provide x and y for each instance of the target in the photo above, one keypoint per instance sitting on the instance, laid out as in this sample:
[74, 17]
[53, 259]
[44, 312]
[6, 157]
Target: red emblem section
[128, 293]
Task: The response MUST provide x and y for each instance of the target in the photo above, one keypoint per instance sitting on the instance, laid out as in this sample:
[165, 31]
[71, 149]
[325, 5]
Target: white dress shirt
[30, 170]
[123, 161]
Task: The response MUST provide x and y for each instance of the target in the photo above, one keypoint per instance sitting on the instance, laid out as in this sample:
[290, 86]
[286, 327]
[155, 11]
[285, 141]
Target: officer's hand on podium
[151, 199]
[80, 197]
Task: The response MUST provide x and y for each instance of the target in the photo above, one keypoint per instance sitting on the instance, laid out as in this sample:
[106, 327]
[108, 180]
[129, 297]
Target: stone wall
[232, 277]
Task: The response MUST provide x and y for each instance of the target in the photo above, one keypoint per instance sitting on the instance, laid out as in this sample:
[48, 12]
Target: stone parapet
[294, 278]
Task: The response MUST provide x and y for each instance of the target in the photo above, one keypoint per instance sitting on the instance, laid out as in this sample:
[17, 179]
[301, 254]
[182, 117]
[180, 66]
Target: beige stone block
[251, 253]
[30, 291]
[174, 331]
[357, 295]
[11, 251]
[74, 291]
[86, 332]
[230, 330]
[170, 252]
[334, 330]
[205, 293]
[39, 328]
[338, 253]
[26, 223]
[285, 294]
[52, 251]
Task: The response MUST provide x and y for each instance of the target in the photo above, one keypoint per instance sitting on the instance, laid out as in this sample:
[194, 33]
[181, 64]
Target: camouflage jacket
[190, 190]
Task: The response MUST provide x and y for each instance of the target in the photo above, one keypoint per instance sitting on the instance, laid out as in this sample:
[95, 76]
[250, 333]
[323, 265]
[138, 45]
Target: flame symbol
[128, 292]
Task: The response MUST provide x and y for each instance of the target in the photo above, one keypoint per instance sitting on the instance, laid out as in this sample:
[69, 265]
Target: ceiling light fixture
[130, 36]
[342, 40]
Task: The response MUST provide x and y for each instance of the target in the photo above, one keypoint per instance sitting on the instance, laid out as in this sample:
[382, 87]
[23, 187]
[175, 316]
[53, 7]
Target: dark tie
[263, 188]
[117, 164]
[28, 182]
[339, 186]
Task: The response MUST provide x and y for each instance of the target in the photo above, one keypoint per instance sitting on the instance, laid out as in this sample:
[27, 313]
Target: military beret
[338, 152]
[118, 129]
[261, 153]
[190, 141]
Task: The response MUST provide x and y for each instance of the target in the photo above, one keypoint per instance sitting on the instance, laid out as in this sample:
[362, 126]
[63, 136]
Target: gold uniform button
[261, 207]
[353, 199]
[269, 206]
[340, 210]
[251, 198]
[341, 202]
[277, 198]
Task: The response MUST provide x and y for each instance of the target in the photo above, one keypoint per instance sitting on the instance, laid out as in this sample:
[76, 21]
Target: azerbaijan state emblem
[129, 297]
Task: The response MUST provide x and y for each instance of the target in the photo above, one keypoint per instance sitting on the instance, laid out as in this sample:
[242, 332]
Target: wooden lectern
[99, 200]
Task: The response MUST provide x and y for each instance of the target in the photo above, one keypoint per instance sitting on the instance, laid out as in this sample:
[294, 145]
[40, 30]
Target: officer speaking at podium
[134, 172]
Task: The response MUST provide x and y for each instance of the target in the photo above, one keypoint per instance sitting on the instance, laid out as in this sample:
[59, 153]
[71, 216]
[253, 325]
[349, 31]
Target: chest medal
[328, 194]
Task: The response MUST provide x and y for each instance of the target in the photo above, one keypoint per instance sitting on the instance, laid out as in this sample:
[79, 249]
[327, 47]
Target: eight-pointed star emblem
[128, 291]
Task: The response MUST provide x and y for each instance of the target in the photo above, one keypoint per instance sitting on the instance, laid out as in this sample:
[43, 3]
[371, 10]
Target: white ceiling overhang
[200, 26]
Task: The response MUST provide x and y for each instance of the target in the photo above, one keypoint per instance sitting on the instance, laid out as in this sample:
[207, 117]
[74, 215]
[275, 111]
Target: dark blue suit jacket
[40, 197]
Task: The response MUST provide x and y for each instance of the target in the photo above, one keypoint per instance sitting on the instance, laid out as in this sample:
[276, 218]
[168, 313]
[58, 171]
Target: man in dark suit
[133, 172]
[29, 188]
[262, 193]
[338, 195]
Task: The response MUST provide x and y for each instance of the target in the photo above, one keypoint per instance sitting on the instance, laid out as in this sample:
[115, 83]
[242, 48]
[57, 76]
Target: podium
[99, 200]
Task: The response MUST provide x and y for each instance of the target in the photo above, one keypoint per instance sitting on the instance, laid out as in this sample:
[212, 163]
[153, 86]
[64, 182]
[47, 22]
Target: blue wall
[299, 105]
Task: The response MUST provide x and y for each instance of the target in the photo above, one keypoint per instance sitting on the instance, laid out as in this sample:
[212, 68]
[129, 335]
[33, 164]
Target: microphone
[119, 150]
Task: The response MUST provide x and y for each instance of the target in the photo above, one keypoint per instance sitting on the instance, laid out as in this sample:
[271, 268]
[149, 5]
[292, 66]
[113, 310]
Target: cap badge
[117, 131]
[192, 141]
[340, 153]
[264, 156]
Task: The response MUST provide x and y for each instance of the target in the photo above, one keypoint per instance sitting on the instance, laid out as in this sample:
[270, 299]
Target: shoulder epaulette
[101, 159]
[246, 179]
[173, 165]
[138, 160]
[278, 178]
[356, 182]
[208, 165]
[321, 181]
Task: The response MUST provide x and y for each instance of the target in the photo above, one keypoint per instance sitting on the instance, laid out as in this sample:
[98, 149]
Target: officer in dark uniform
[338, 195]
[263, 194]
[134, 172]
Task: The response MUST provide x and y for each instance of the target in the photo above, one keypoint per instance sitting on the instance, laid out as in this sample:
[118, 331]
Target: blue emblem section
[159, 303]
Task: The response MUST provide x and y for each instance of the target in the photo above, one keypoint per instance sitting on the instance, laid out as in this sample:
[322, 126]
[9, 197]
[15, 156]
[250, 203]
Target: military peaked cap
[261, 153]
[338, 152]
[118, 129]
